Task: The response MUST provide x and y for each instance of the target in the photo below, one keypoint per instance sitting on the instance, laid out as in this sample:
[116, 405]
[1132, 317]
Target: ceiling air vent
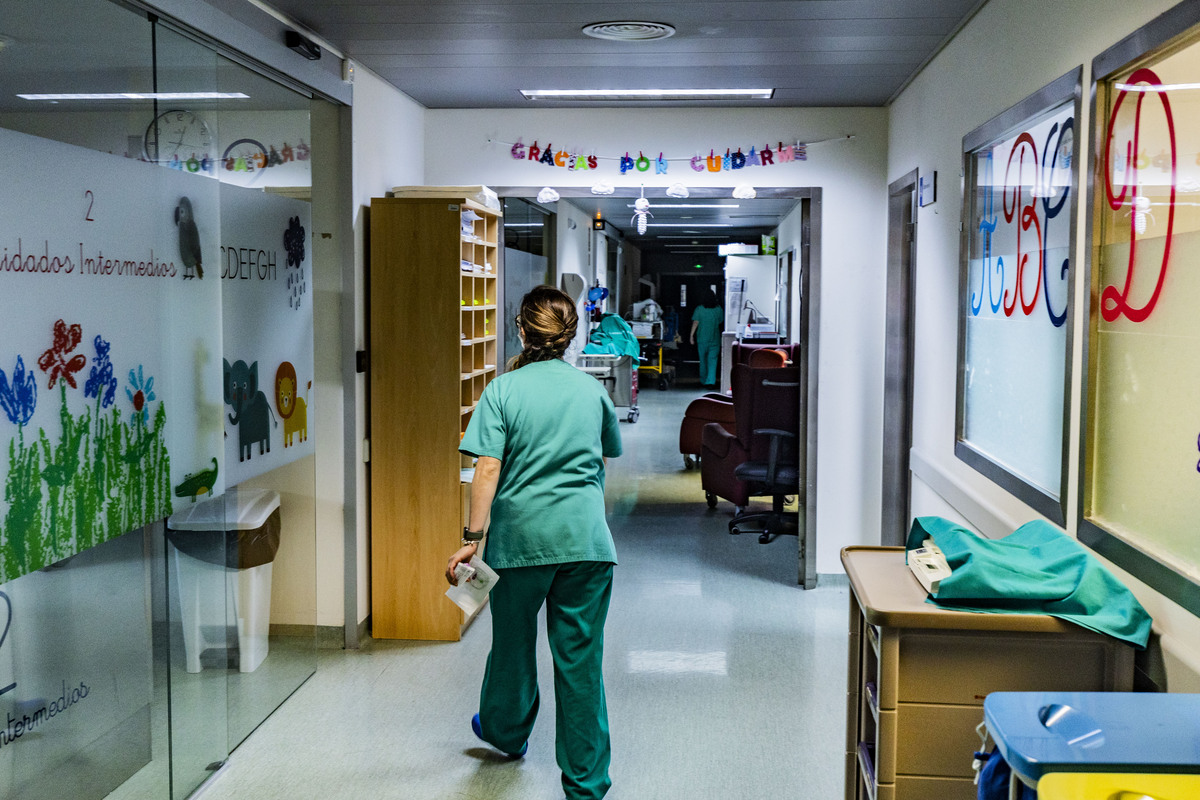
[629, 31]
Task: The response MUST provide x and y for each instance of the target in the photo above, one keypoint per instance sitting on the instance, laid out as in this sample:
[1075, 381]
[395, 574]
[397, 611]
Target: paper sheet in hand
[470, 595]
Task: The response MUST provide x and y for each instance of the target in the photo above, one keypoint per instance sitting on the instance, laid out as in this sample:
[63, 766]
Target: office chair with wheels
[715, 407]
[766, 409]
[776, 419]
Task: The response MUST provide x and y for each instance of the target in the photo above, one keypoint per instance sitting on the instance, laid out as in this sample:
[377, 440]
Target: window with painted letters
[1014, 300]
[1142, 443]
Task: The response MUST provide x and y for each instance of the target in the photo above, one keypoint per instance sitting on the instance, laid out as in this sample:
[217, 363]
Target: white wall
[389, 136]
[789, 234]
[574, 248]
[1008, 51]
[474, 146]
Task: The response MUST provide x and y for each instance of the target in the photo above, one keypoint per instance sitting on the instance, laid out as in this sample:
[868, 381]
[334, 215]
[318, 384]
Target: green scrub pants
[709, 350]
[576, 595]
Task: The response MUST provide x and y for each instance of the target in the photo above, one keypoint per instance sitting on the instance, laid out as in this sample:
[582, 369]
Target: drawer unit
[918, 676]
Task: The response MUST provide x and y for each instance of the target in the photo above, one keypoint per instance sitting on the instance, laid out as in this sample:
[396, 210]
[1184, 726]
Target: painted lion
[292, 408]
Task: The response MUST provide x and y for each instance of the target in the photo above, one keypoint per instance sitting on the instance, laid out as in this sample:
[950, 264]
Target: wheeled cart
[652, 361]
[619, 376]
[1041, 734]
[918, 676]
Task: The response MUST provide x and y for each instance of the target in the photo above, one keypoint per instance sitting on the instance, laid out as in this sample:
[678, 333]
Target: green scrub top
[551, 426]
[712, 321]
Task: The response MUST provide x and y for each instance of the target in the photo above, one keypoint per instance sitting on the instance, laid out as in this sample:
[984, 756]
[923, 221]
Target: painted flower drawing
[293, 242]
[55, 361]
[19, 398]
[101, 380]
[140, 391]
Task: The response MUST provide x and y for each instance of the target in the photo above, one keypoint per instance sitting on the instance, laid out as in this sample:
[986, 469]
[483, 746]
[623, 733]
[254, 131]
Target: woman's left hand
[463, 555]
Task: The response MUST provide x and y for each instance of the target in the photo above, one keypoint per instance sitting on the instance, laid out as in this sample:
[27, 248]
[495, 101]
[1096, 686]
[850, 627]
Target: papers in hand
[471, 593]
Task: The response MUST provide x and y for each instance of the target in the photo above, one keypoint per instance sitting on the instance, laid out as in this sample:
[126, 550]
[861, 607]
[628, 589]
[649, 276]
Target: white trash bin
[223, 553]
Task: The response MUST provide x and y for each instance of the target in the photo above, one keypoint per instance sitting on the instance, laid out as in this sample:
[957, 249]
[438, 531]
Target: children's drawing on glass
[93, 475]
[1013, 358]
[1059, 151]
[987, 230]
[1035, 189]
[1116, 302]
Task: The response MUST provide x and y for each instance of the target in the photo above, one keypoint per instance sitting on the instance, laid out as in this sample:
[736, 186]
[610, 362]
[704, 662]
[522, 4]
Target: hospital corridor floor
[725, 680]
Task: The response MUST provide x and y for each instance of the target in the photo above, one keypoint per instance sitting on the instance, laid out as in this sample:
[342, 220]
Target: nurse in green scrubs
[541, 434]
[708, 320]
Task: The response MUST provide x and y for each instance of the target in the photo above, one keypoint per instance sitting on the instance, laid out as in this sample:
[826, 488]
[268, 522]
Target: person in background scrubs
[708, 320]
[542, 432]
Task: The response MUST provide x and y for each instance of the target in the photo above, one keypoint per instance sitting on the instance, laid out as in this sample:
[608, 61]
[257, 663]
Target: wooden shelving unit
[434, 321]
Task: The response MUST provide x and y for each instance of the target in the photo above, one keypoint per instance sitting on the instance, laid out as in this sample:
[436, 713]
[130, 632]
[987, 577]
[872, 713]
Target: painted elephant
[251, 411]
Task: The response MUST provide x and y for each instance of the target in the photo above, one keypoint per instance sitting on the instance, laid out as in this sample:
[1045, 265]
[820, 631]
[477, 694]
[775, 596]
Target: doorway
[529, 245]
[898, 360]
[681, 293]
[611, 212]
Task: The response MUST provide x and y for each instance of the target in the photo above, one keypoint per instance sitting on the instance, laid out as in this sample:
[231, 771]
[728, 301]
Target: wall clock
[179, 135]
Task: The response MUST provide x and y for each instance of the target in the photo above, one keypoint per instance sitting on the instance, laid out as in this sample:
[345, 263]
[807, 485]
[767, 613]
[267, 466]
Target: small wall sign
[927, 190]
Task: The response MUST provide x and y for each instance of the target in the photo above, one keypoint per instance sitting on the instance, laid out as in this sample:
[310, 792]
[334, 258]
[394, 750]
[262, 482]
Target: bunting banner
[575, 160]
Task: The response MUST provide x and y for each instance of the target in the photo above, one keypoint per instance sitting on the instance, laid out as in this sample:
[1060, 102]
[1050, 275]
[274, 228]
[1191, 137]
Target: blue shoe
[479, 733]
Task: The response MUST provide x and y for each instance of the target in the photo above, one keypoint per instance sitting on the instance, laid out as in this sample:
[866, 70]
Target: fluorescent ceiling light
[693, 205]
[140, 96]
[1141, 87]
[737, 249]
[646, 94]
[689, 224]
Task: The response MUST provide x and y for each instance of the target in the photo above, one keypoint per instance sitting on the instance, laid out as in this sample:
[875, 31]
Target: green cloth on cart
[1036, 569]
[613, 337]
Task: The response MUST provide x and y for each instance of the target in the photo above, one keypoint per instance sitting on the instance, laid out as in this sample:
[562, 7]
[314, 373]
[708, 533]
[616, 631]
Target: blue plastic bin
[1132, 732]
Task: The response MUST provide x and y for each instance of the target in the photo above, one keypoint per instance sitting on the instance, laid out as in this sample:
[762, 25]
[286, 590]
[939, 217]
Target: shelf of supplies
[413, 242]
[866, 766]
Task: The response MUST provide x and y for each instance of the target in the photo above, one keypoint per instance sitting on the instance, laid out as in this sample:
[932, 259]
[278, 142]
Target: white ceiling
[480, 53]
[692, 225]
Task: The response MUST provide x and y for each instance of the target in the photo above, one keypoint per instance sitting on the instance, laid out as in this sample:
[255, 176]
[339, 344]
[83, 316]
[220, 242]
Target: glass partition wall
[1015, 292]
[1140, 462]
[157, 534]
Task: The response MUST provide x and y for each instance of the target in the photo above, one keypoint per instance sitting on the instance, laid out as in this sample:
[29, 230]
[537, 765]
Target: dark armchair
[763, 454]
[718, 408]
[711, 408]
[742, 351]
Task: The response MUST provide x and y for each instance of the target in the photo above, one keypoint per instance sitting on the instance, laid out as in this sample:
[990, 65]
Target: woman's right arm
[483, 491]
